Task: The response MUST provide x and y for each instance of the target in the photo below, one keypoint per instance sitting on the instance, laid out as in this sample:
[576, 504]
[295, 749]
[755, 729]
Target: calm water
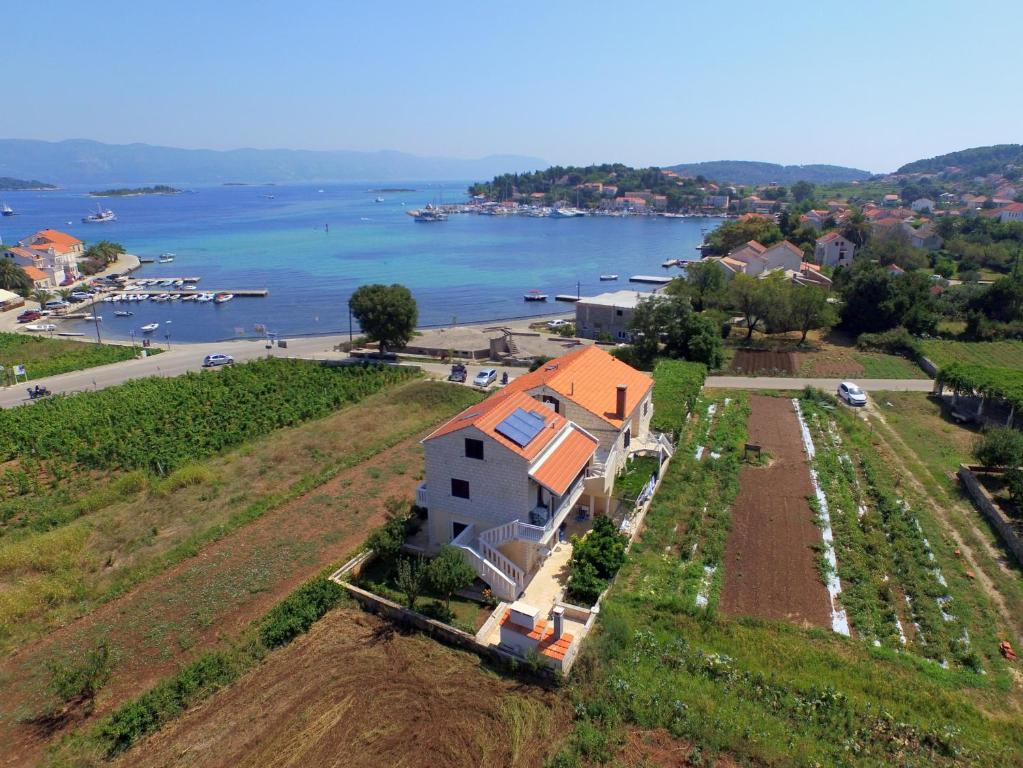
[468, 268]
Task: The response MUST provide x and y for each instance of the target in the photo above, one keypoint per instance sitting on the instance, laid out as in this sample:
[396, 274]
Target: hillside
[978, 161]
[7, 184]
[749, 172]
[79, 161]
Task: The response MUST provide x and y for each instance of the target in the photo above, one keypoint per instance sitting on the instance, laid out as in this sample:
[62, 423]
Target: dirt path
[175, 615]
[355, 693]
[770, 566]
[897, 450]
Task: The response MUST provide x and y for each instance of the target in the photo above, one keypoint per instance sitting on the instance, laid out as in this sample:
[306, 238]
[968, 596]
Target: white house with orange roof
[503, 476]
[54, 253]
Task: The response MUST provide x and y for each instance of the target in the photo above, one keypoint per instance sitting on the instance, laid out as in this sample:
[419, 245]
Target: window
[459, 488]
[618, 312]
[551, 402]
[473, 449]
[646, 406]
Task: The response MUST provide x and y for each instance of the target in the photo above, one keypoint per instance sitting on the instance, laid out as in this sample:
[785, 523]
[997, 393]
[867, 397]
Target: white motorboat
[166, 258]
[220, 298]
[535, 295]
[565, 213]
[149, 327]
[100, 216]
[122, 313]
[40, 327]
[606, 278]
[205, 297]
[190, 297]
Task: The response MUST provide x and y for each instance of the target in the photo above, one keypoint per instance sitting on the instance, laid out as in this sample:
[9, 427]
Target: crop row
[677, 386]
[158, 424]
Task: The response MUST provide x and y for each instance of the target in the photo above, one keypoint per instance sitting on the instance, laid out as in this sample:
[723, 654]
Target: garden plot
[770, 565]
[893, 588]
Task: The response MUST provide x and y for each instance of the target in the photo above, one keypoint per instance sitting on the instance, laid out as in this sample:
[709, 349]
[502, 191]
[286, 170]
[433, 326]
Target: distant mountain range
[978, 161]
[749, 172]
[80, 161]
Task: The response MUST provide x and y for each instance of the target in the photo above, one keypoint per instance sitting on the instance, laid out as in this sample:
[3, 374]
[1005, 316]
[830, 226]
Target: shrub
[596, 558]
[1000, 447]
[80, 677]
[410, 577]
[296, 613]
[448, 572]
[1014, 482]
[897, 341]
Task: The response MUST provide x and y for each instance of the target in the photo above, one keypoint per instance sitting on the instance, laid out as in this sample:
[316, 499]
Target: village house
[925, 236]
[890, 200]
[607, 315]
[815, 218]
[504, 475]
[833, 250]
[53, 253]
[1011, 212]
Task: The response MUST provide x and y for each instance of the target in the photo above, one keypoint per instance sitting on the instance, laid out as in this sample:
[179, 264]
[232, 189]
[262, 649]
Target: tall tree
[13, 278]
[704, 283]
[802, 190]
[810, 309]
[387, 314]
[748, 296]
[449, 572]
[856, 229]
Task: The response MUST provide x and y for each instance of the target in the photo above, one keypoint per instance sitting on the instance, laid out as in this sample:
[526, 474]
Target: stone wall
[990, 510]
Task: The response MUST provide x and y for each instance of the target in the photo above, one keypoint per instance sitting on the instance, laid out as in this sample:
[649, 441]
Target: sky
[866, 84]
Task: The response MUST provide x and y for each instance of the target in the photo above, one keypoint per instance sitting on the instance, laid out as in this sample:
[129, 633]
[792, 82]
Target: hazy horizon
[861, 86]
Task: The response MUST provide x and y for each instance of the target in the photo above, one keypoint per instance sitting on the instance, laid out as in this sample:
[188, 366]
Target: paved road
[830, 385]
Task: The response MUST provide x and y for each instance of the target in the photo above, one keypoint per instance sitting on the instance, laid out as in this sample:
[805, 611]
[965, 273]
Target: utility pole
[350, 342]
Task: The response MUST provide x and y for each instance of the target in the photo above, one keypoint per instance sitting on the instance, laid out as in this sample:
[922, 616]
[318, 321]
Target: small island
[7, 184]
[393, 189]
[159, 189]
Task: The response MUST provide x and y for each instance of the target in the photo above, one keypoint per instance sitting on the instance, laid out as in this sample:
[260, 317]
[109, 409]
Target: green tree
[387, 314]
[705, 283]
[41, 296]
[748, 296]
[802, 190]
[104, 252]
[734, 233]
[810, 309]
[448, 572]
[409, 578]
[77, 678]
[856, 229]
[1000, 447]
[13, 278]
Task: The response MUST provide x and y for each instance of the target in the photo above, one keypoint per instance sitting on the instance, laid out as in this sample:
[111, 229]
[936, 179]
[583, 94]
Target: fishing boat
[166, 258]
[6, 210]
[149, 327]
[607, 278]
[535, 295]
[428, 214]
[101, 216]
[220, 298]
[123, 313]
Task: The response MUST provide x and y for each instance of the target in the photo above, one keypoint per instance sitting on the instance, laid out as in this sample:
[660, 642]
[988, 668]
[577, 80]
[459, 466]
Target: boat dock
[566, 297]
[158, 290]
[650, 279]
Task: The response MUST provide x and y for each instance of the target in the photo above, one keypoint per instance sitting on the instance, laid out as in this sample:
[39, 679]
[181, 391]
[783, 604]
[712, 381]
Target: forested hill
[978, 161]
[749, 172]
[7, 184]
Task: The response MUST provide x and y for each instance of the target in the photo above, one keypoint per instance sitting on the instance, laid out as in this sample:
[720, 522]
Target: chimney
[620, 401]
[559, 622]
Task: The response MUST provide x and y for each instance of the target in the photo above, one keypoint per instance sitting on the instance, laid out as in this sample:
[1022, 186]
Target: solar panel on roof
[520, 427]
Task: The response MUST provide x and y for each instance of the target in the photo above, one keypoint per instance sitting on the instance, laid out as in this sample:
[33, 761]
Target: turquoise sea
[312, 245]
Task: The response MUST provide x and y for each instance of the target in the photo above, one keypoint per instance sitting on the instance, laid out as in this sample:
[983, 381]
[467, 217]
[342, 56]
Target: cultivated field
[1001, 354]
[197, 561]
[354, 692]
[47, 357]
[770, 565]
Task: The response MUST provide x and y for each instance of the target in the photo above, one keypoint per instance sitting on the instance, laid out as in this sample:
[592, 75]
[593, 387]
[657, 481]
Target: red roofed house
[833, 250]
[52, 252]
[502, 476]
[1011, 212]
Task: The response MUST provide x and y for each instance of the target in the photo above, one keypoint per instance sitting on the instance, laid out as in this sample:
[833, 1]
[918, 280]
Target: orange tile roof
[589, 377]
[562, 465]
[828, 237]
[60, 239]
[34, 274]
[487, 415]
[544, 637]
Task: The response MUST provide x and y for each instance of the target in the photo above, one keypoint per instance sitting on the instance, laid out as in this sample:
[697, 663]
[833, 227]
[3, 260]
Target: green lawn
[44, 357]
[881, 366]
[1003, 354]
[636, 474]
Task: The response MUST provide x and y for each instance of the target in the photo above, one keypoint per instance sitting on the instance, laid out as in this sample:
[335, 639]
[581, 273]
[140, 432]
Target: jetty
[650, 279]
[570, 297]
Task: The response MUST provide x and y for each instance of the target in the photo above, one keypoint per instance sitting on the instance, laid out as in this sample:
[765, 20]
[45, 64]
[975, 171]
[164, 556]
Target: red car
[28, 316]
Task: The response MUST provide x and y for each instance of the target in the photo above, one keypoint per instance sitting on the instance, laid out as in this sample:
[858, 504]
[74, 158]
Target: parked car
[56, 304]
[485, 378]
[216, 359]
[458, 373]
[28, 316]
[851, 393]
[557, 323]
[78, 296]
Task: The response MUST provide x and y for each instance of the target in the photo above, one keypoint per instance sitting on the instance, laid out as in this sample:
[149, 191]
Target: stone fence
[986, 504]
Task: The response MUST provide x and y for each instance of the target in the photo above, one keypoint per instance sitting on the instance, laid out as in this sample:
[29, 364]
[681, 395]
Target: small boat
[109, 299]
[122, 313]
[70, 333]
[93, 318]
[607, 278]
[149, 327]
[166, 258]
[6, 210]
[671, 263]
[100, 216]
[220, 298]
[190, 297]
[535, 295]
[379, 200]
[427, 214]
[565, 213]
[40, 327]
[205, 297]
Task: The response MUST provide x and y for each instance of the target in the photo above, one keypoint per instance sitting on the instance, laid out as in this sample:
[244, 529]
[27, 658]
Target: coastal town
[563, 386]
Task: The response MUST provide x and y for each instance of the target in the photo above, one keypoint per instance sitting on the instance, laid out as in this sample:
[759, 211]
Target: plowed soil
[356, 693]
[750, 362]
[770, 566]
